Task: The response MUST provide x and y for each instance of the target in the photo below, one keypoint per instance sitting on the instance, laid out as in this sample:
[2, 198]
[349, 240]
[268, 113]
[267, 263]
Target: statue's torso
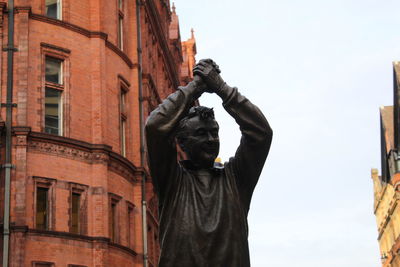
[202, 222]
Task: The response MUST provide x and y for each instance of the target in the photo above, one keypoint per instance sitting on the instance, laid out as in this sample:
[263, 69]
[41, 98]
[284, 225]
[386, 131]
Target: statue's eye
[200, 132]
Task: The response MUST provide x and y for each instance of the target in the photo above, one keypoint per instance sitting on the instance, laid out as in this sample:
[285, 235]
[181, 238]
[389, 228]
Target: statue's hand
[200, 85]
[209, 72]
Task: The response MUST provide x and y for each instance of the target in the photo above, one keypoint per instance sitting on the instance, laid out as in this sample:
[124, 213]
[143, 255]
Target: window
[120, 25]
[53, 122]
[78, 209]
[131, 226]
[123, 120]
[113, 217]
[44, 201]
[54, 70]
[113, 220]
[53, 9]
[123, 137]
[42, 208]
[75, 208]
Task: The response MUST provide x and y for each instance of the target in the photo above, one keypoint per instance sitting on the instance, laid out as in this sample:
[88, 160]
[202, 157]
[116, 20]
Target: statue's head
[197, 135]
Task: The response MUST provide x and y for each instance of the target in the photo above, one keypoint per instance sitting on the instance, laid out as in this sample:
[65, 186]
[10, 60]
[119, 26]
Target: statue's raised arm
[203, 206]
[256, 139]
[160, 128]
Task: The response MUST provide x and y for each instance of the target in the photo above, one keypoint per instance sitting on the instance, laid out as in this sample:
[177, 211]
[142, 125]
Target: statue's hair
[204, 113]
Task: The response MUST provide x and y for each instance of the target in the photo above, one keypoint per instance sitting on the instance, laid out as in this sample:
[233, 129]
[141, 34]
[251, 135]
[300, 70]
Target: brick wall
[86, 158]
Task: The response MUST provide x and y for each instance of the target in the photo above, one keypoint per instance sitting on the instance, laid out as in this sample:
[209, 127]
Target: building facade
[387, 185]
[77, 81]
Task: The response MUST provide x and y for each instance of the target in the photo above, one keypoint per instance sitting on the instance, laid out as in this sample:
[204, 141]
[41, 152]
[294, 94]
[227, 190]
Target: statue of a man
[203, 206]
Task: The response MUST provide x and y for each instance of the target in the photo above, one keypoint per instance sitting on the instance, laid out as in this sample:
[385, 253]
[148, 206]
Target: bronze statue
[203, 206]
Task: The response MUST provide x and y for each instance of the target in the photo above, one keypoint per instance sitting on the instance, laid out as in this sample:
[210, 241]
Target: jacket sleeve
[160, 136]
[255, 142]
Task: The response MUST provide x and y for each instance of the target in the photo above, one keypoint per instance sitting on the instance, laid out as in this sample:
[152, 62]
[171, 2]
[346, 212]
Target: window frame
[130, 211]
[120, 24]
[81, 190]
[58, 53]
[123, 110]
[59, 15]
[123, 117]
[45, 190]
[48, 183]
[75, 197]
[113, 217]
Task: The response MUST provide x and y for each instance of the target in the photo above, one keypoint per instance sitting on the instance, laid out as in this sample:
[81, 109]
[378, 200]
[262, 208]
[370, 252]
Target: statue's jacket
[203, 213]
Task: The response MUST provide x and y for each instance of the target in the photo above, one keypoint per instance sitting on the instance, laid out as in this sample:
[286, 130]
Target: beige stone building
[387, 185]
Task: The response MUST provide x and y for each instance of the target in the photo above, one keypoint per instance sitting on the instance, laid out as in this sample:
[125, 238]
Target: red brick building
[83, 79]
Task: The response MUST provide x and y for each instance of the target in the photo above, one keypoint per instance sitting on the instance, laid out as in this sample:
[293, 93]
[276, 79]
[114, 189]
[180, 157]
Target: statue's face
[201, 143]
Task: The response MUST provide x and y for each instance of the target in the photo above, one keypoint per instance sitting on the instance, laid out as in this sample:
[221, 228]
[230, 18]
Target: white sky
[319, 70]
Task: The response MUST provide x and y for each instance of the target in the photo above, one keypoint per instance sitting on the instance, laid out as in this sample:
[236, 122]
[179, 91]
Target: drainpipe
[142, 141]
[7, 166]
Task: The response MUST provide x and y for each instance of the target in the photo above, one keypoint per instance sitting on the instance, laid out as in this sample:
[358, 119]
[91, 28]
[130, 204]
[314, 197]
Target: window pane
[52, 9]
[53, 111]
[123, 137]
[41, 208]
[76, 199]
[54, 70]
[123, 101]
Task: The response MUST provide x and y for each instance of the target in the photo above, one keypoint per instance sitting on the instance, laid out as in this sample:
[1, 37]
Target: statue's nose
[210, 137]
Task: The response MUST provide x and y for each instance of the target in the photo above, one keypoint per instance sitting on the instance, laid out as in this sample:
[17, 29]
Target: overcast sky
[319, 70]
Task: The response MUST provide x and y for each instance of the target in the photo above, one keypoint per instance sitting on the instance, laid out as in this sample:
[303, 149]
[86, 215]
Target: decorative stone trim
[82, 151]
[61, 150]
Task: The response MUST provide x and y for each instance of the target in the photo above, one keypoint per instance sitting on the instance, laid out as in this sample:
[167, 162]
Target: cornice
[121, 54]
[84, 32]
[51, 138]
[83, 151]
[156, 24]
